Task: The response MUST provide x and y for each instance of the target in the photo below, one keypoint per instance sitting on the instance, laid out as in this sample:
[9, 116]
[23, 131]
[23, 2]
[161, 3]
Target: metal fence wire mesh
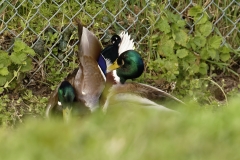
[47, 25]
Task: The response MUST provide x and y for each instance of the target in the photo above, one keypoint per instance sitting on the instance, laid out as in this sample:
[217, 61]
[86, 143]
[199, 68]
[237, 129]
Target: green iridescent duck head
[66, 96]
[128, 65]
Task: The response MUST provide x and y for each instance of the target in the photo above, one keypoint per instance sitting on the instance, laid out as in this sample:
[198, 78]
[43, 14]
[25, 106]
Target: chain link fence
[48, 25]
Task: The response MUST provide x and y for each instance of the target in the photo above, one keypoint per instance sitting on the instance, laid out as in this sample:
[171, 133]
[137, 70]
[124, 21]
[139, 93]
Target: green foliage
[14, 111]
[11, 67]
[184, 55]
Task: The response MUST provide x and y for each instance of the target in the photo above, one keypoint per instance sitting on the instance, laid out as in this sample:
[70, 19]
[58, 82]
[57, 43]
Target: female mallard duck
[87, 81]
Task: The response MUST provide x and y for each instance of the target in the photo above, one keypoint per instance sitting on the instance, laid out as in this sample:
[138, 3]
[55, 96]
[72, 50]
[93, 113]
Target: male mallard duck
[121, 55]
[129, 65]
[87, 81]
[111, 51]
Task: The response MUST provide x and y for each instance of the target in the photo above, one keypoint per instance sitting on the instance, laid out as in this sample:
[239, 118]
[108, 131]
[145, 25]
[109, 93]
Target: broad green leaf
[204, 54]
[206, 28]
[18, 58]
[200, 41]
[195, 68]
[3, 80]
[163, 25]
[225, 56]
[203, 68]
[185, 65]
[191, 58]
[201, 18]
[30, 51]
[180, 37]
[173, 18]
[214, 41]
[181, 23]
[181, 53]
[18, 45]
[194, 11]
[28, 66]
[212, 53]
[192, 44]
[166, 48]
[225, 49]
[4, 71]
[4, 59]
[1, 90]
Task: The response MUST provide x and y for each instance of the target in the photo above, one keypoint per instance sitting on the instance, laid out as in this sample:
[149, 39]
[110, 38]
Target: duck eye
[122, 62]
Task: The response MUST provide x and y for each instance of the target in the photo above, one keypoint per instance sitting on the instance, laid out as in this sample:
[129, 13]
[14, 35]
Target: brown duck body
[88, 79]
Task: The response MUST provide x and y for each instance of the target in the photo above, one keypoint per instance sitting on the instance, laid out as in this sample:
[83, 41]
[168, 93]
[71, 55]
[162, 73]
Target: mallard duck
[129, 65]
[111, 51]
[66, 97]
[87, 80]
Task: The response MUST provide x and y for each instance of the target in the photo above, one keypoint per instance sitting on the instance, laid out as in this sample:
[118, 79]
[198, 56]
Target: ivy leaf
[1, 90]
[185, 65]
[4, 71]
[206, 28]
[3, 80]
[18, 45]
[191, 58]
[164, 26]
[181, 23]
[225, 49]
[194, 11]
[204, 54]
[224, 56]
[173, 18]
[203, 68]
[212, 53]
[195, 68]
[200, 41]
[18, 58]
[201, 18]
[166, 47]
[215, 41]
[181, 53]
[4, 59]
[28, 66]
[30, 51]
[181, 37]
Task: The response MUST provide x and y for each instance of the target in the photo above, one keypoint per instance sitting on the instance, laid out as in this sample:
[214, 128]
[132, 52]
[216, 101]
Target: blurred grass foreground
[125, 133]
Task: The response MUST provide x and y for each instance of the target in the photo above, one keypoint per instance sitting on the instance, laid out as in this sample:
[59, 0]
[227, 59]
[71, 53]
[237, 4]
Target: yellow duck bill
[113, 66]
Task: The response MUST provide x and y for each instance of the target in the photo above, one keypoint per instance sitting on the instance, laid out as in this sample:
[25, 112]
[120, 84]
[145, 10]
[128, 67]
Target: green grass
[129, 133]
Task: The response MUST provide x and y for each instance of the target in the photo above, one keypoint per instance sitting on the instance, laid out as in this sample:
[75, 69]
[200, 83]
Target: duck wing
[137, 93]
[88, 43]
[89, 80]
